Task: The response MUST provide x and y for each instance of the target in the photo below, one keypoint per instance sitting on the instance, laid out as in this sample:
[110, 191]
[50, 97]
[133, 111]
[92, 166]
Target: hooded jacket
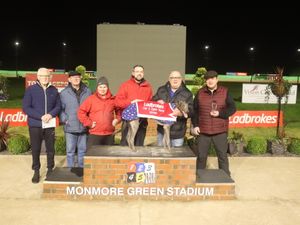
[101, 110]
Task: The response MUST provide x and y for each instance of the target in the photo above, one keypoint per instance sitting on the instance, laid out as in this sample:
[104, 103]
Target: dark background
[229, 32]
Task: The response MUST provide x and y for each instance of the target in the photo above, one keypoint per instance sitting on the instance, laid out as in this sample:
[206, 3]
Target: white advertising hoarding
[255, 93]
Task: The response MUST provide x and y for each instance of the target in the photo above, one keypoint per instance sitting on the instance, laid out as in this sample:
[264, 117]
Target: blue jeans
[72, 141]
[174, 142]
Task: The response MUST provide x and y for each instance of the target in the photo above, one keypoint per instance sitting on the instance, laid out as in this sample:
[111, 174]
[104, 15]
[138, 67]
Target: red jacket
[99, 110]
[130, 90]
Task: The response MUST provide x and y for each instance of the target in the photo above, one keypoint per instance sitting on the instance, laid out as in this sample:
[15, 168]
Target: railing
[255, 78]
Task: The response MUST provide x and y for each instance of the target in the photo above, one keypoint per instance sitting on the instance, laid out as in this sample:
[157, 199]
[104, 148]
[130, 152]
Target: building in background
[159, 48]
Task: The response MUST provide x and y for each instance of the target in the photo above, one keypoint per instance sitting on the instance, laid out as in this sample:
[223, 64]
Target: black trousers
[140, 135]
[221, 146]
[100, 140]
[37, 135]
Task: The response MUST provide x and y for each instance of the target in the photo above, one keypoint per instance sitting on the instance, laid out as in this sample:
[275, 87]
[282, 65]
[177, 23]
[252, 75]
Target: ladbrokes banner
[239, 119]
[255, 119]
[155, 110]
[16, 117]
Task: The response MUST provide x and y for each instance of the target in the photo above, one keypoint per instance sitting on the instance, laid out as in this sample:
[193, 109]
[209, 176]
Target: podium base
[151, 173]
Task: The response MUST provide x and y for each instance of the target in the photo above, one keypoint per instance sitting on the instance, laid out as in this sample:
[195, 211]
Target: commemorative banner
[154, 110]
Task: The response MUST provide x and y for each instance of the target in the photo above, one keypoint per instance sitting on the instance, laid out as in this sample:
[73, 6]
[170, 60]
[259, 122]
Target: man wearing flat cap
[212, 107]
[72, 97]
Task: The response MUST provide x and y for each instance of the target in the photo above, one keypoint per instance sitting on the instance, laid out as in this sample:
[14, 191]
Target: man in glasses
[172, 92]
[133, 90]
[42, 104]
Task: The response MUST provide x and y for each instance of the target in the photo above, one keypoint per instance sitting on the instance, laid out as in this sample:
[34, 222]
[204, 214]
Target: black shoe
[36, 177]
[78, 171]
[49, 172]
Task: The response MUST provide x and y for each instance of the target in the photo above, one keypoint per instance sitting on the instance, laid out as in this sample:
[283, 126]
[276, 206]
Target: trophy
[214, 106]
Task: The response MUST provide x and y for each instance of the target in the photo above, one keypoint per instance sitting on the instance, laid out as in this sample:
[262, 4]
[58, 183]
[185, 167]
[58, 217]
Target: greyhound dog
[130, 115]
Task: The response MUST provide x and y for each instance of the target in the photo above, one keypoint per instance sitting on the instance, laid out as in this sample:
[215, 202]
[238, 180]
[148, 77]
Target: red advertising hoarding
[239, 119]
[15, 116]
[60, 81]
[255, 119]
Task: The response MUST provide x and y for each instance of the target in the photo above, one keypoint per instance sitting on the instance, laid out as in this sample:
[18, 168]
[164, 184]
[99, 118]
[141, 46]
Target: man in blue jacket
[76, 134]
[42, 104]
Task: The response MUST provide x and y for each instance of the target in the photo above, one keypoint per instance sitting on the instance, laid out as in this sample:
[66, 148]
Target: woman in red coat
[100, 114]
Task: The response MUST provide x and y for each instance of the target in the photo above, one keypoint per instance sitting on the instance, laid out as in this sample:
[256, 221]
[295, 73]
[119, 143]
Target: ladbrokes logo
[246, 118]
[141, 173]
[254, 119]
[15, 116]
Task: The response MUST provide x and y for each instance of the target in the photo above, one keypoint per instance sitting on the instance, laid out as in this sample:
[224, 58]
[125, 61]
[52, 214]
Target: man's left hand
[176, 112]
[46, 118]
[214, 113]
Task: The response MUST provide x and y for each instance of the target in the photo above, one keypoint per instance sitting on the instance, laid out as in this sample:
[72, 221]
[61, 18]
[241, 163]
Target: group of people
[90, 119]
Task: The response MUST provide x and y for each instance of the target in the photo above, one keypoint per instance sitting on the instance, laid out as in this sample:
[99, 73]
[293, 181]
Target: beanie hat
[73, 73]
[210, 74]
[102, 80]
[43, 71]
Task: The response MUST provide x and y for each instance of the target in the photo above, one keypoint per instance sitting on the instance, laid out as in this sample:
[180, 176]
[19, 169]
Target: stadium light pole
[206, 49]
[298, 60]
[64, 54]
[17, 55]
[252, 58]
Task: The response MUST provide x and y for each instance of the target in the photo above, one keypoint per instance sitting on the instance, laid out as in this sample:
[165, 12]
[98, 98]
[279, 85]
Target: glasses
[44, 76]
[173, 78]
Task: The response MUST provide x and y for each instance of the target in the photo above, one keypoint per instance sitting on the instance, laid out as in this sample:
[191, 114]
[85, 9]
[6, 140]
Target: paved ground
[268, 193]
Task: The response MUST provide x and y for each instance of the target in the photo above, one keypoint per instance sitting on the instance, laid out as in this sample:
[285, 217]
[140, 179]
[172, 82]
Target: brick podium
[151, 173]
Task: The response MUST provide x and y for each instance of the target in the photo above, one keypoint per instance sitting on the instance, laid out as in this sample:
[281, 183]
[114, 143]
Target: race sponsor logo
[15, 117]
[155, 110]
[239, 119]
[255, 119]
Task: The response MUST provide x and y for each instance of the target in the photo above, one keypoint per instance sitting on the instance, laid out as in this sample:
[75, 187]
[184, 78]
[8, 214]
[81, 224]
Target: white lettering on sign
[253, 119]
[105, 191]
[141, 191]
[153, 105]
[16, 117]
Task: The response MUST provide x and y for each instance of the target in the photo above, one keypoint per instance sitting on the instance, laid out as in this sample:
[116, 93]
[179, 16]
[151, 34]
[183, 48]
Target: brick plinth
[116, 173]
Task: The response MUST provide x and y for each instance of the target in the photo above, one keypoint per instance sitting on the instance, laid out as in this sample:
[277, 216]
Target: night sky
[229, 33]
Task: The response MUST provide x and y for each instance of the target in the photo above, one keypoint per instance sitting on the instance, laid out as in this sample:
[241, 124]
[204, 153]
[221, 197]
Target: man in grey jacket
[76, 134]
